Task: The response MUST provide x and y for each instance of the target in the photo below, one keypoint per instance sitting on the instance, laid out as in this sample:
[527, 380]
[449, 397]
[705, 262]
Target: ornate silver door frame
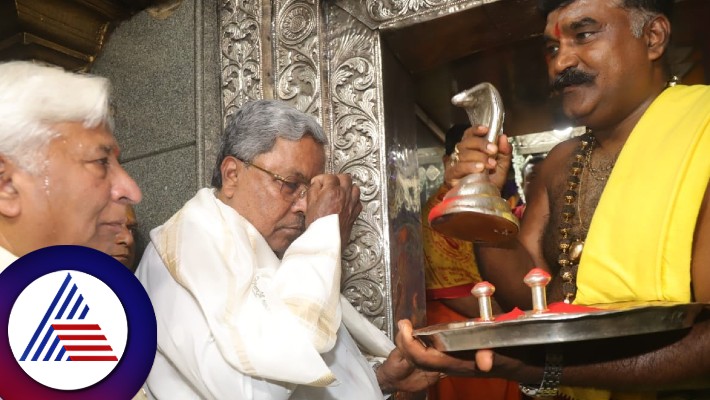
[326, 59]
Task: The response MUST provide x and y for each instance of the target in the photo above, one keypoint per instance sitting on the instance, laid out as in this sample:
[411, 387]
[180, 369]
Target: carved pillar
[241, 43]
[297, 62]
[357, 147]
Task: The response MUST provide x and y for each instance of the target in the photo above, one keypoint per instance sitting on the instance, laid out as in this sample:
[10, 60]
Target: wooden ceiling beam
[68, 33]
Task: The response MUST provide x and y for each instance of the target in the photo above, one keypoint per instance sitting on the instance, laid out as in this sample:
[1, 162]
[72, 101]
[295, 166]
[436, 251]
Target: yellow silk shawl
[640, 240]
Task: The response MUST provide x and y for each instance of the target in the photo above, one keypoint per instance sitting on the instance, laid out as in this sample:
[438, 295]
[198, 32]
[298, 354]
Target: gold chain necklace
[602, 172]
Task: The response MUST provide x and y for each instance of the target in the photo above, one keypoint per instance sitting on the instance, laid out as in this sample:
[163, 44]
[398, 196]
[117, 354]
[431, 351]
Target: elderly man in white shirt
[60, 180]
[245, 278]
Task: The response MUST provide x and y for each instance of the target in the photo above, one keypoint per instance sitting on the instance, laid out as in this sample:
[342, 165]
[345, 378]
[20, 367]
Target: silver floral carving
[297, 72]
[381, 10]
[356, 149]
[368, 298]
[241, 53]
[297, 22]
[393, 14]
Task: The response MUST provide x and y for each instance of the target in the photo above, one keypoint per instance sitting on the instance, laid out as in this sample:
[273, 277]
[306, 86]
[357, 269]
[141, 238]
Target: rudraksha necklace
[571, 246]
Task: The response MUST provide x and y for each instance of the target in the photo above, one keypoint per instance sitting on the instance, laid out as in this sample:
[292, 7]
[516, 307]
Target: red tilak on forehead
[557, 30]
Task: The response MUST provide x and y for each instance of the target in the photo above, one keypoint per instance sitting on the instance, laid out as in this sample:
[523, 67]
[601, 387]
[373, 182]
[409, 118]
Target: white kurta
[192, 362]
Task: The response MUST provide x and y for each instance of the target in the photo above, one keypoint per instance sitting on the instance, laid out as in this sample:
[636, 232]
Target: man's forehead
[289, 156]
[102, 147]
[304, 172]
[95, 140]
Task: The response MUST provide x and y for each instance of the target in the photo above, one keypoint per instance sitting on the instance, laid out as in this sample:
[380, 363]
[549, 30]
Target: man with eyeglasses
[245, 278]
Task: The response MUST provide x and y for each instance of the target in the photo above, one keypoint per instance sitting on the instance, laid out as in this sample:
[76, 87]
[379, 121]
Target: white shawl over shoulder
[270, 318]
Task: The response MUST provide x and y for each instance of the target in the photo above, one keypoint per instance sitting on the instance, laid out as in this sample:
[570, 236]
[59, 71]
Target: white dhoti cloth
[235, 322]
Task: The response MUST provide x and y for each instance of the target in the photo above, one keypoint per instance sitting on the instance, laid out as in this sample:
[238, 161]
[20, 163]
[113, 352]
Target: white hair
[35, 97]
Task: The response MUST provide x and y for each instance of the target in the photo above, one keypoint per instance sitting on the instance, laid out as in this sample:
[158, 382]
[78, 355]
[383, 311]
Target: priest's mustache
[571, 77]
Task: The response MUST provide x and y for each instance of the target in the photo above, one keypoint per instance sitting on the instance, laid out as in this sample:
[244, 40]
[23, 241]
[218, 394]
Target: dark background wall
[165, 77]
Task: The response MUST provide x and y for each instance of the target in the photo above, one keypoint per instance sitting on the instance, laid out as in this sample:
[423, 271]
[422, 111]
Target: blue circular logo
[79, 326]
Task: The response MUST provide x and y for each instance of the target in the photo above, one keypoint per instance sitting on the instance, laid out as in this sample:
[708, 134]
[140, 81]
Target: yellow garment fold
[640, 241]
[640, 250]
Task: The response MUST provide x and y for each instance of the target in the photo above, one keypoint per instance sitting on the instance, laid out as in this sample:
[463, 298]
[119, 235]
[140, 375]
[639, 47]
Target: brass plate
[615, 320]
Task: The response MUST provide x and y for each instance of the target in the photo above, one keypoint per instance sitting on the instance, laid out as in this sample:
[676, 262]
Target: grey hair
[254, 128]
[638, 18]
[34, 97]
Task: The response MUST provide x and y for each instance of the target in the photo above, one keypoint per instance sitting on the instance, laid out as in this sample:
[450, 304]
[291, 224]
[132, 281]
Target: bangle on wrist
[550, 378]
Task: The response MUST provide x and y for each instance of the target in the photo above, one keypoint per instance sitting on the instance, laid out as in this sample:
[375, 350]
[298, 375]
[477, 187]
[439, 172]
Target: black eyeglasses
[291, 188]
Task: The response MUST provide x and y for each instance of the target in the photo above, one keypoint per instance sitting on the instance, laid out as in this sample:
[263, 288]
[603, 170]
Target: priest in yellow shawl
[647, 136]
[245, 278]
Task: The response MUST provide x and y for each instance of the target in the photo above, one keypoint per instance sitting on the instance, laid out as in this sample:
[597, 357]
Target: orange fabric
[455, 388]
[449, 262]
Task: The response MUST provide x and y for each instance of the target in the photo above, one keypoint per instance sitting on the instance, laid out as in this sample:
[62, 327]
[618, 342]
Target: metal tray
[615, 320]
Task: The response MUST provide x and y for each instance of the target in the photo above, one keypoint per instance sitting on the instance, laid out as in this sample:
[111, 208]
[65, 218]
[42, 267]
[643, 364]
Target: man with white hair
[60, 180]
[59, 173]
